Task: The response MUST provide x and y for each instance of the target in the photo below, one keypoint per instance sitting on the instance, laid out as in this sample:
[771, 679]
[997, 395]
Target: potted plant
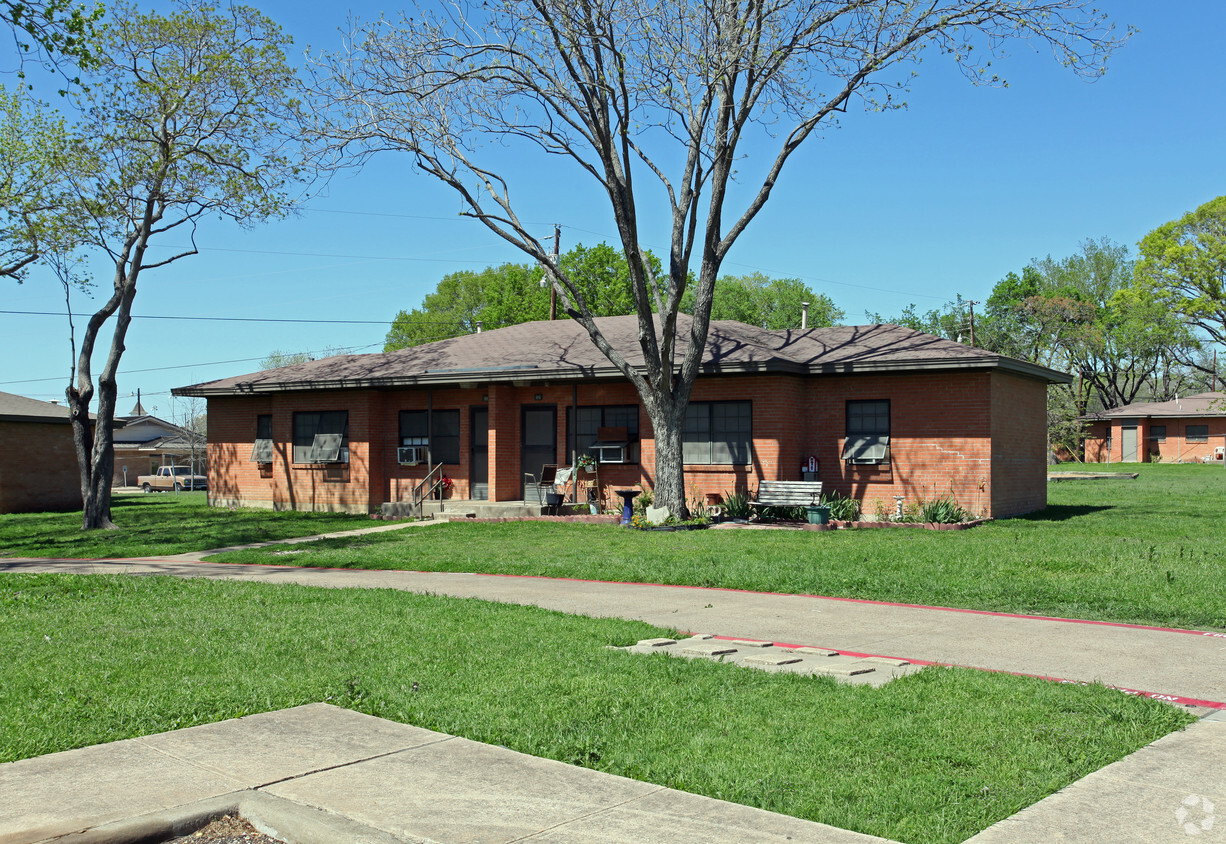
[444, 486]
[586, 463]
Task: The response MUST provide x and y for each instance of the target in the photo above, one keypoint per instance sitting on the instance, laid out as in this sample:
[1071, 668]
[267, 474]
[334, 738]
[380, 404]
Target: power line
[346, 350]
[220, 319]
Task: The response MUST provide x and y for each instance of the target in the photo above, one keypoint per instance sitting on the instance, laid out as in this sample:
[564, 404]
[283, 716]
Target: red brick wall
[1018, 481]
[940, 444]
[235, 480]
[38, 468]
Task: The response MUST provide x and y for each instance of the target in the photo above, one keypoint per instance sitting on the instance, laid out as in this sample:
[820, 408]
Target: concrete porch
[461, 508]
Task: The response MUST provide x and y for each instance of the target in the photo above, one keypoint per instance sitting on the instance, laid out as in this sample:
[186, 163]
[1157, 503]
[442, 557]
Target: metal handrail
[423, 490]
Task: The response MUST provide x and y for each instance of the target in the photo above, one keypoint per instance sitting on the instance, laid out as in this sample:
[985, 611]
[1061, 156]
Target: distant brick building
[1191, 429]
[38, 460]
[884, 410]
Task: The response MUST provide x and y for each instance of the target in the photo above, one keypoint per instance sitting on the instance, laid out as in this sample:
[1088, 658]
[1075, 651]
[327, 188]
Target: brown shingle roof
[14, 408]
[1202, 404]
[562, 350]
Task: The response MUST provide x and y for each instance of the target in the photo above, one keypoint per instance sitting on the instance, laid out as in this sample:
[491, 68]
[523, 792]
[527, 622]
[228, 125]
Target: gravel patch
[228, 829]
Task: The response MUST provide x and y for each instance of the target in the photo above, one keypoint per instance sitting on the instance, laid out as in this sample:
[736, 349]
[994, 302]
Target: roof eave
[590, 373]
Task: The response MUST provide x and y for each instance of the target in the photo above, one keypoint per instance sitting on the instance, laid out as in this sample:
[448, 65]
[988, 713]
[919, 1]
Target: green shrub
[736, 505]
[843, 508]
[943, 511]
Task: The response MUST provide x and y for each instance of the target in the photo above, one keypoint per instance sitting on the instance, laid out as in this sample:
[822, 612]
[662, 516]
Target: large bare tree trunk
[668, 424]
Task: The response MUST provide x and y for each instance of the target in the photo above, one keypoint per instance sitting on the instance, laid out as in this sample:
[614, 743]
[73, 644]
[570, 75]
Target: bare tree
[659, 93]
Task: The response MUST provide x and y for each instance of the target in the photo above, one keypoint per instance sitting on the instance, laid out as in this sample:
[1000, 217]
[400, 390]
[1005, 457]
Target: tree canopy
[59, 32]
[663, 94]
[513, 293]
[1184, 263]
[771, 303]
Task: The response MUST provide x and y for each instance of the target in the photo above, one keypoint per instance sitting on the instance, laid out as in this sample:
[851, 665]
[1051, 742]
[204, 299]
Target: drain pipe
[804, 315]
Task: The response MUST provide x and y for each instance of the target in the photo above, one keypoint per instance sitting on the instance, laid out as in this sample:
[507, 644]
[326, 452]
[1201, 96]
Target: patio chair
[543, 483]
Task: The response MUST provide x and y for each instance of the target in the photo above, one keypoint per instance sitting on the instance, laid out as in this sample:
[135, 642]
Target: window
[719, 432]
[262, 450]
[585, 433]
[1157, 433]
[321, 437]
[1198, 433]
[443, 441]
[868, 432]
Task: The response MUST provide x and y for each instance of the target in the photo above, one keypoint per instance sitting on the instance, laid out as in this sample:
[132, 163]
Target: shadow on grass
[1064, 512]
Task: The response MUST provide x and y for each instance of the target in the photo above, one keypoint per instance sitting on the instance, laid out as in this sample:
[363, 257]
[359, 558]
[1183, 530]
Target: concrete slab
[61, 793]
[288, 743]
[674, 817]
[462, 791]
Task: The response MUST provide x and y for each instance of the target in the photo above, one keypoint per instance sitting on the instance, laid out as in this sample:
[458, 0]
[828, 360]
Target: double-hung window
[868, 432]
[321, 436]
[439, 433]
[718, 432]
[620, 423]
[261, 451]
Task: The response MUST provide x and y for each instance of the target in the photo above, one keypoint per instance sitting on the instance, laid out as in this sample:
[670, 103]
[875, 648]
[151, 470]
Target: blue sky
[914, 206]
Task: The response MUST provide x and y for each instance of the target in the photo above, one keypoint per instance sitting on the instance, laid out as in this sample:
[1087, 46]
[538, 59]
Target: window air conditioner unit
[410, 455]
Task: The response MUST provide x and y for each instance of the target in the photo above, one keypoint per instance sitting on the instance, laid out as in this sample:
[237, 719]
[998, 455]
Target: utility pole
[557, 253]
[972, 304]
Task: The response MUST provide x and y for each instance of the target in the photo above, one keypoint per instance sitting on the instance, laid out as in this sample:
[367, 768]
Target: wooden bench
[787, 494]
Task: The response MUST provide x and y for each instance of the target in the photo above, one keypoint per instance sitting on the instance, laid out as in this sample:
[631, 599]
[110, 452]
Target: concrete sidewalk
[1176, 665]
[318, 774]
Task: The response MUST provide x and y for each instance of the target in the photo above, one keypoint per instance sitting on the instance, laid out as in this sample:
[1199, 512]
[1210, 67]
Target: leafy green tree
[771, 303]
[951, 321]
[59, 32]
[512, 293]
[1184, 263]
[1086, 315]
[187, 114]
[651, 100]
[36, 158]
[278, 358]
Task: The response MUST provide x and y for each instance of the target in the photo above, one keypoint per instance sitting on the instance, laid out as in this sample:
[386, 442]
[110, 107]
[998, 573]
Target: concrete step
[461, 508]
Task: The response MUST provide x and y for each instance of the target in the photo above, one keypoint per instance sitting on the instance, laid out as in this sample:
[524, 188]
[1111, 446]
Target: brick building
[38, 459]
[884, 410]
[1191, 429]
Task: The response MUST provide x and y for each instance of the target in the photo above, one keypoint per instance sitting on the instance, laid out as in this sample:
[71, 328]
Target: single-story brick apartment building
[885, 411]
[1191, 429]
[38, 456]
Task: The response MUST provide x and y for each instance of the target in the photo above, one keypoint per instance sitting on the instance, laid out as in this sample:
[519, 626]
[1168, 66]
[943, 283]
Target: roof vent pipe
[478, 326]
[804, 315]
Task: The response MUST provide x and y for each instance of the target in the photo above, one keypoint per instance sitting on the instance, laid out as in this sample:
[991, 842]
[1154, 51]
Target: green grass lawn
[1149, 551]
[166, 523]
[933, 757]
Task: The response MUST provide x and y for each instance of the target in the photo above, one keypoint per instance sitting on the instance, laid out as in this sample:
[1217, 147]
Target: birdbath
[627, 504]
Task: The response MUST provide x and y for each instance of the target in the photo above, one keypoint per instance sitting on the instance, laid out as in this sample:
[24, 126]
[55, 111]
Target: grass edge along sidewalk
[936, 756]
[1150, 551]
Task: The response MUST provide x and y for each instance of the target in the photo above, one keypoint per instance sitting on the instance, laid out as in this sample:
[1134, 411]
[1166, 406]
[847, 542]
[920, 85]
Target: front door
[479, 458]
[540, 442]
[1129, 443]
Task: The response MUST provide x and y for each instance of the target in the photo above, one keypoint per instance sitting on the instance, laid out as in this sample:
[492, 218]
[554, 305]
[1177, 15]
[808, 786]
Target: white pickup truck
[172, 477]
